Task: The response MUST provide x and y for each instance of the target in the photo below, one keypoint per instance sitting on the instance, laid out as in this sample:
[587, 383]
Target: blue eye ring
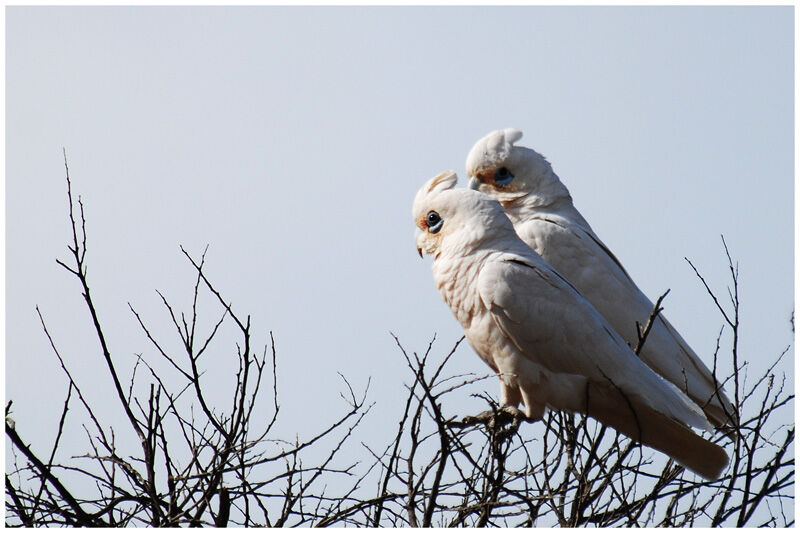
[434, 221]
[502, 176]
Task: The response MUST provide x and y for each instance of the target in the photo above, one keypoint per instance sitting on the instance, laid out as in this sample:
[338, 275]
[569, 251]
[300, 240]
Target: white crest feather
[512, 135]
[441, 182]
[491, 149]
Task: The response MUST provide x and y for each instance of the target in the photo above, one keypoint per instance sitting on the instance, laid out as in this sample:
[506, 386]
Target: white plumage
[549, 346]
[541, 209]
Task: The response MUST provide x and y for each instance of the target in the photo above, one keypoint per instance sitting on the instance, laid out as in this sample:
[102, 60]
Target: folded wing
[553, 327]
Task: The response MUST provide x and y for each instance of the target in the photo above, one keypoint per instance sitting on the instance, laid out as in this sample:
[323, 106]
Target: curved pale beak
[417, 235]
[474, 183]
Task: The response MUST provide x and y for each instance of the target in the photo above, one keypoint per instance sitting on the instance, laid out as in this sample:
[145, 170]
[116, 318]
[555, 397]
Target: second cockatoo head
[456, 221]
[509, 173]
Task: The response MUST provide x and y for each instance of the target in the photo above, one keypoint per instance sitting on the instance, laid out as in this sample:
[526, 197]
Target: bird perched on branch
[549, 346]
[541, 209]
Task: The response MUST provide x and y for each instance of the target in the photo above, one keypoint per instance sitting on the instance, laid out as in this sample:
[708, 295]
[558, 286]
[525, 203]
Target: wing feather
[597, 273]
[586, 367]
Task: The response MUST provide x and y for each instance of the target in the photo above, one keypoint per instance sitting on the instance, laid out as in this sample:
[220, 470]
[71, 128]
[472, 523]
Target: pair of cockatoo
[549, 308]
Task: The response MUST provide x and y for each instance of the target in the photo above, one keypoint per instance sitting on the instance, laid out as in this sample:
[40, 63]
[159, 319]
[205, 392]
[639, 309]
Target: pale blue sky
[293, 140]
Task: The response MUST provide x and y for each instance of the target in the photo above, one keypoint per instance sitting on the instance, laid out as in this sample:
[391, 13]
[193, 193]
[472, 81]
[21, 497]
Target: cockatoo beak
[474, 183]
[417, 236]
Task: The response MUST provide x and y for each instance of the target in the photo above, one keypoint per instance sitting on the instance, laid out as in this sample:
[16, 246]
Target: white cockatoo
[540, 207]
[549, 346]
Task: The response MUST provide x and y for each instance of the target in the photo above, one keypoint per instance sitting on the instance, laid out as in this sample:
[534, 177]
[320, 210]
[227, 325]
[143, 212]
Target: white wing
[579, 364]
[580, 256]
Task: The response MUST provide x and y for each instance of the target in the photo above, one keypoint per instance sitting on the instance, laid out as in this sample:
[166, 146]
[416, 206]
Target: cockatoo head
[455, 221]
[507, 172]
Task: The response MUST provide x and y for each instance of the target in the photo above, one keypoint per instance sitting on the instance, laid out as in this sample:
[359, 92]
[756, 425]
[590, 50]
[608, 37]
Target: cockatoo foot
[505, 421]
[516, 417]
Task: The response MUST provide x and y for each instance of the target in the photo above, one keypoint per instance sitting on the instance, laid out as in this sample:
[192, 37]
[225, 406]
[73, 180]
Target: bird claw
[496, 420]
[517, 417]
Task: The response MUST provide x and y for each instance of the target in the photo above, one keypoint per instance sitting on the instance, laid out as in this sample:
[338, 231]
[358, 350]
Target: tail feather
[652, 428]
[711, 398]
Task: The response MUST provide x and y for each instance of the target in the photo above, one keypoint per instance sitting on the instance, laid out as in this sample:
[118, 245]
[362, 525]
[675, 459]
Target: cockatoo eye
[434, 222]
[502, 176]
